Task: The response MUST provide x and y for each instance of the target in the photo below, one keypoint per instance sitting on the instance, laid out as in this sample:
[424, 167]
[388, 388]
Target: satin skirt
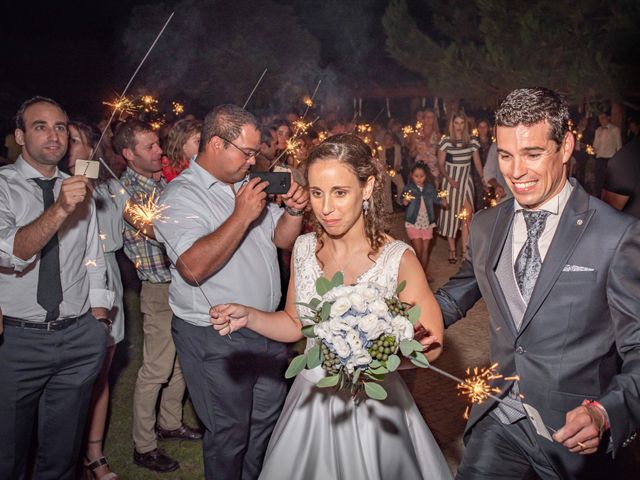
[322, 434]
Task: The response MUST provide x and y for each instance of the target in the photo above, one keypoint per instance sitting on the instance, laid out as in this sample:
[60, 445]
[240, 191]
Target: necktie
[528, 261]
[49, 293]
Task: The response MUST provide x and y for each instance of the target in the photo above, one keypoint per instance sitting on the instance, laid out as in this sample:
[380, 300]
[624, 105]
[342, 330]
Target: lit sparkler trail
[148, 212]
[313, 97]
[477, 389]
[287, 149]
[124, 92]
[443, 194]
[254, 89]
[307, 101]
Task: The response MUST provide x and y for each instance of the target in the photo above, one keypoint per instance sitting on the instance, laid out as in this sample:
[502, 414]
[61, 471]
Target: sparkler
[178, 108]
[307, 101]
[288, 148]
[246, 102]
[443, 194]
[313, 97]
[407, 130]
[147, 212]
[408, 196]
[391, 172]
[156, 124]
[589, 149]
[463, 215]
[149, 104]
[122, 104]
[477, 389]
[126, 88]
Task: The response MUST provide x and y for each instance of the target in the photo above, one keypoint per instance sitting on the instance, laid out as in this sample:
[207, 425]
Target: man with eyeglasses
[221, 234]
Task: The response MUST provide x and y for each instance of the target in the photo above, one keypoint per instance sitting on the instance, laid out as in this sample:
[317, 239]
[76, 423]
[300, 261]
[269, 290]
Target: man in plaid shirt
[138, 144]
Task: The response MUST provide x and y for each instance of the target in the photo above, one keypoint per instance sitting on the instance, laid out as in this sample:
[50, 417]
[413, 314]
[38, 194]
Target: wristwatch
[294, 212]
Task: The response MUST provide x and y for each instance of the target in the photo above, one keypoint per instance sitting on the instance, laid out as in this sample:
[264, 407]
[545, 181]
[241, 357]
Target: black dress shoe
[183, 433]
[155, 460]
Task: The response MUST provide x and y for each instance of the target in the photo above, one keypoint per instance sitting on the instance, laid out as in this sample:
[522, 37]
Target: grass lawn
[119, 445]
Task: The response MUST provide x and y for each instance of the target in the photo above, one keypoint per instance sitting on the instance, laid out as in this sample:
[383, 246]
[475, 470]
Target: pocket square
[577, 268]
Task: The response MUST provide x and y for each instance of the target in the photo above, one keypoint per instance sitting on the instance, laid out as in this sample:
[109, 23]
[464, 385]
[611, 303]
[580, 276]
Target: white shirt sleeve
[99, 295]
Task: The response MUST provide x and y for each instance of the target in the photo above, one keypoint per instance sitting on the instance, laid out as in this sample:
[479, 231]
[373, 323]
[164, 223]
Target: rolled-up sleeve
[8, 230]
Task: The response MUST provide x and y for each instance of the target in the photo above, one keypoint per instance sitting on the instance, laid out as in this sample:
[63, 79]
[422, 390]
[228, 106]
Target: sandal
[452, 257]
[94, 465]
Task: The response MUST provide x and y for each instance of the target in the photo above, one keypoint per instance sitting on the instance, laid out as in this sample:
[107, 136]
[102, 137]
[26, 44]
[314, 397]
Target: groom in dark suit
[559, 271]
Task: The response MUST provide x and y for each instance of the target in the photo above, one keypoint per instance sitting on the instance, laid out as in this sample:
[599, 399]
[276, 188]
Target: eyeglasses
[248, 152]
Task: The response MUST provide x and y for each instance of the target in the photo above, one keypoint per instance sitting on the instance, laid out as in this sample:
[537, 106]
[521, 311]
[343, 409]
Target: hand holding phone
[279, 182]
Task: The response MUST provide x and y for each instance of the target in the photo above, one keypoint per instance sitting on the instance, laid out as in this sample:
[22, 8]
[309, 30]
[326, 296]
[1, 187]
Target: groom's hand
[582, 430]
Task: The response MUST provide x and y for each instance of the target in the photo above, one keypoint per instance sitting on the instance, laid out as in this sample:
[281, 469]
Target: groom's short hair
[528, 106]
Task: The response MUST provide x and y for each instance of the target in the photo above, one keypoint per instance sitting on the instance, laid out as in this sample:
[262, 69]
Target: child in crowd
[419, 196]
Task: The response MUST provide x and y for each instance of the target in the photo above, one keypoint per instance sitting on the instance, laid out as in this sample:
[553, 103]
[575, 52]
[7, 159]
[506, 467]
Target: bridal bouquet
[360, 336]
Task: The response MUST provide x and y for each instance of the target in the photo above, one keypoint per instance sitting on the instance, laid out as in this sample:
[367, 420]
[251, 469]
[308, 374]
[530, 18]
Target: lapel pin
[580, 222]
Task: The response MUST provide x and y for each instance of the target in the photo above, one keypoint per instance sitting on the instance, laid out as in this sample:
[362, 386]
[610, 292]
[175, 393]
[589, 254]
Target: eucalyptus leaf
[419, 360]
[337, 280]
[413, 314]
[309, 331]
[381, 370]
[373, 376]
[417, 346]
[356, 376]
[393, 362]
[326, 311]
[322, 286]
[331, 381]
[375, 364]
[375, 391]
[406, 347]
[313, 357]
[296, 366]
[401, 287]
[313, 304]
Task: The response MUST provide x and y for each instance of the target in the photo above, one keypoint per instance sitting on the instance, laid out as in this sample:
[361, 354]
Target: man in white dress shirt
[606, 143]
[52, 290]
[221, 236]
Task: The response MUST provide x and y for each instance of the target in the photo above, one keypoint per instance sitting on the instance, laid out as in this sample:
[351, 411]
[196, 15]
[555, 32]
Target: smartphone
[279, 182]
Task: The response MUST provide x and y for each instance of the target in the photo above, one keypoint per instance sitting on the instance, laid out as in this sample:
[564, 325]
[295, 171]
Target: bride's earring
[365, 207]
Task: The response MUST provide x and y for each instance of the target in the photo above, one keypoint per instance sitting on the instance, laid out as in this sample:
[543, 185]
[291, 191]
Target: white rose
[322, 330]
[378, 307]
[402, 328]
[357, 302]
[341, 347]
[368, 322]
[353, 340]
[377, 330]
[350, 320]
[338, 325]
[369, 294]
[362, 358]
[335, 293]
[340, 306]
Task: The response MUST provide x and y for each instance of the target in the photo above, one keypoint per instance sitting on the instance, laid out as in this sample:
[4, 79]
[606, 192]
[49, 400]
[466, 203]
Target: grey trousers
[237, 387]
[46, 380]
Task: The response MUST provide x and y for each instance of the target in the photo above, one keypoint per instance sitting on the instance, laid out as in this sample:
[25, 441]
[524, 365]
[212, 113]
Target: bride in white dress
[322, 433]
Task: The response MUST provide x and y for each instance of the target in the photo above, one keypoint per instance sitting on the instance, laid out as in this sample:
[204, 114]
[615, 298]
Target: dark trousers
[601, 175]
[46, 379]
[238, 388]
[516, 451]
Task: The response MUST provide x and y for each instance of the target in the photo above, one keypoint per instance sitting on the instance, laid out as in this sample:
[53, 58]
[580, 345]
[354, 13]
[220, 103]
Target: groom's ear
[368, 187]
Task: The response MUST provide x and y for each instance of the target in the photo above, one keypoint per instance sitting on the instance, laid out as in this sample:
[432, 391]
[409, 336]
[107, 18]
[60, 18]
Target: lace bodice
[306, 271]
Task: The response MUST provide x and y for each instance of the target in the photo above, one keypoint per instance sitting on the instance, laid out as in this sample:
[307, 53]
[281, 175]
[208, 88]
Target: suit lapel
[499, 236]
[572, 224]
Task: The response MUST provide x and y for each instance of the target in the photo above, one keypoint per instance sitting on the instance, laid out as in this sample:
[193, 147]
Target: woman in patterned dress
[455, 153]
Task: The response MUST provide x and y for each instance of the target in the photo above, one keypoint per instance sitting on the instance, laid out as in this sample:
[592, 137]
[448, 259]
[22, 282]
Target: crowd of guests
[437, 175]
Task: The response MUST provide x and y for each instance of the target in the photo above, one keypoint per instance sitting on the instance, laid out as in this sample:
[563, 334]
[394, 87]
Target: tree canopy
[482, 49]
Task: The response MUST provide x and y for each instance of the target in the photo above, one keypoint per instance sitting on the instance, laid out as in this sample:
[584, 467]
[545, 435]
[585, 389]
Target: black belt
[52, 326]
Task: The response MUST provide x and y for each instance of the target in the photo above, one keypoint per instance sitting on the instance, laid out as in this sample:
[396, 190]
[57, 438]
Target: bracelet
[294, 212]
[598, 405]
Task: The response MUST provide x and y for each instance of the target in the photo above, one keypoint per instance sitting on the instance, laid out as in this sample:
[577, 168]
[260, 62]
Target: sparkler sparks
[407, 130]
[149, 104]
[391, 172]
[408, 196]
[476, 385]
[307, 101]
[156, 124]
[123, 105]
[178, 108]
[302, 126]
[463, 215]
[147, 212]
[443, 194]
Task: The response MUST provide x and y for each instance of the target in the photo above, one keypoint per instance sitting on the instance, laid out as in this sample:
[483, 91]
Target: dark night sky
[68, 50]
[73, 51]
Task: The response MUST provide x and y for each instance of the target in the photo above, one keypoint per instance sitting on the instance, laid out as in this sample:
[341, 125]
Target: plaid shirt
[147, 255]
